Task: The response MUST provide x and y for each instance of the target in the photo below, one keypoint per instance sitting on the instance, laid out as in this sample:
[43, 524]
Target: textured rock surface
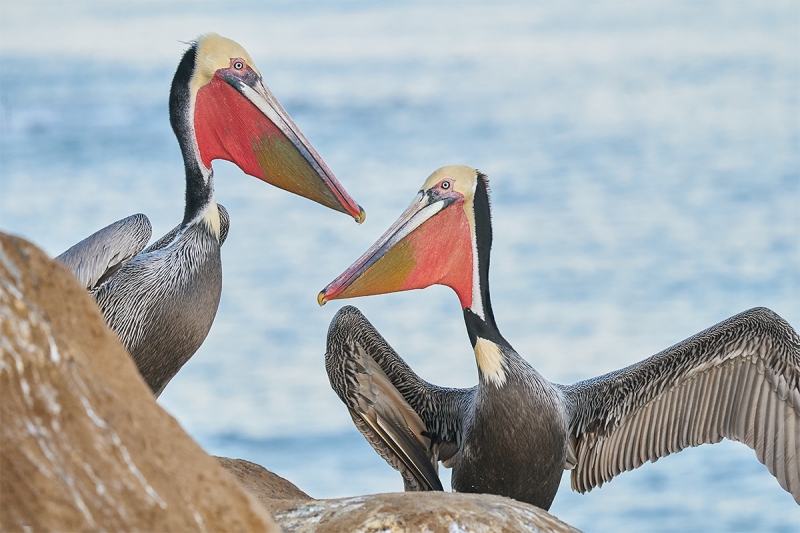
[435, 512]
[260, 482]
[83, 444]
[410, 512]
[296, 512]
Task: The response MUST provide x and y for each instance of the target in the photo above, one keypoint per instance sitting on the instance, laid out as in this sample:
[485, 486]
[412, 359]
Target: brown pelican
[161, 302]
[514, 432]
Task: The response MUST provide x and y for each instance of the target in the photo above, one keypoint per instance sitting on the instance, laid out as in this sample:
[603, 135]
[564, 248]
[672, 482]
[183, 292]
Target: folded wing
[99, 256]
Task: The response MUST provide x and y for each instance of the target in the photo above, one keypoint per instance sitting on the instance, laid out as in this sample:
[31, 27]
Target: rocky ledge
[297, 512]
[85, 447]
[414, 511]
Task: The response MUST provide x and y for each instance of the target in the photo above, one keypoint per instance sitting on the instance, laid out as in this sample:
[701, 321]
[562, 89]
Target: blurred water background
[644, 160]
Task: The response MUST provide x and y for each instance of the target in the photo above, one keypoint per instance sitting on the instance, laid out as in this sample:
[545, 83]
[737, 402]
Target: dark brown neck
[199, 181]
[480, 319]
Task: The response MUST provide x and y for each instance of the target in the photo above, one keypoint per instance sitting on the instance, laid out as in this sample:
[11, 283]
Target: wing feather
[409, 422]
[793, 451]
[100, 255]
[738, 380]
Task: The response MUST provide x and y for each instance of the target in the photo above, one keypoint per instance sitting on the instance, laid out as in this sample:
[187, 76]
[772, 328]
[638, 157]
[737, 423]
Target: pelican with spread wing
[515, 432]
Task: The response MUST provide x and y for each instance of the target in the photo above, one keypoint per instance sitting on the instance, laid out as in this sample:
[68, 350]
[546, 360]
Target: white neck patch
[490, 361]
[477, 302]
[205, 171]
[210, 216]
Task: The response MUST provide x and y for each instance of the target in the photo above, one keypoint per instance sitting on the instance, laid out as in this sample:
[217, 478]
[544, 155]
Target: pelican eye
[445, 185]
[238, 65]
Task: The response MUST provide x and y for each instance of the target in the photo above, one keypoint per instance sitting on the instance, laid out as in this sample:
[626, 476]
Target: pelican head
[441, 238]
[220, 108]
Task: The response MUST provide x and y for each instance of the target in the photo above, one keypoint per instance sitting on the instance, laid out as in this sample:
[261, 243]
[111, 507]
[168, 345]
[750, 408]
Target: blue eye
[238, 65]
[445, 185]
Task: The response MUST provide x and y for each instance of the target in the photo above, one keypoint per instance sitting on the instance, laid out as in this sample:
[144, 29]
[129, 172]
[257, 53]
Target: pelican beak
[238, 119]
[415, 252]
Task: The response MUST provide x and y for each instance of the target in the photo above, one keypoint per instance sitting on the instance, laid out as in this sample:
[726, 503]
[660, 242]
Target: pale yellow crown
[213, 53]
[465, 179]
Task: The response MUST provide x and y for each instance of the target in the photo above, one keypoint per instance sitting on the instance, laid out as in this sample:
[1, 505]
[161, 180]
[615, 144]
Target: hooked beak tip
[362, 215]
[321, 300]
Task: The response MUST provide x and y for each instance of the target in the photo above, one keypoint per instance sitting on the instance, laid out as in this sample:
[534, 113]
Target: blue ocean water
[644, 161]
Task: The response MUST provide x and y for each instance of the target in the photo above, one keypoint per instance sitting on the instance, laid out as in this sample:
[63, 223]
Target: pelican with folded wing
[161, 301]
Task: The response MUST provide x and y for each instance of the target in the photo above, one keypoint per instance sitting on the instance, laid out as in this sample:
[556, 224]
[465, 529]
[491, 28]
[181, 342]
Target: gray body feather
[162, 302]
[739, 380]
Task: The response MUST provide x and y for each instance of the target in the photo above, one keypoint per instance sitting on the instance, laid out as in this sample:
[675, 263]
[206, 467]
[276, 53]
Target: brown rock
[83, 443]
[296, 512]
[260, 482]
[411, 512]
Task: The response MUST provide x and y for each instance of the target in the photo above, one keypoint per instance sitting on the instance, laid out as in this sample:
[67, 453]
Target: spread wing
[410, 423]
[99, 256]
[738, 380]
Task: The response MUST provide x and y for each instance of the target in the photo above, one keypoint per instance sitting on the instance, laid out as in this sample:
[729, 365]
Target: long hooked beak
[264, 141]
[386, 266]
[263, 98]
